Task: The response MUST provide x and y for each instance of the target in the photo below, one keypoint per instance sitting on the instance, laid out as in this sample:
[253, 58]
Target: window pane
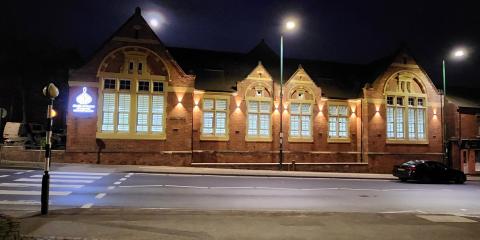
[342, 110]
[124, 85]
[389, 100]
[399, 123]
[253, 106]
[294, 125]
[220, 123]
[108, 109]
[264, 124]
[109, 84]
[157, 113]
[342, 127]
[332, 126]
[252, 124]
[411, 123]
[306, 126]
[123, 112]
[207, 104]
[265, 107]
[144, 86]
[221, 104]
[390, 123]
[207, 123]
[158, 86]
[142, 113]
[421, 123]
[332, 110]
[295, 108]
[306, 109]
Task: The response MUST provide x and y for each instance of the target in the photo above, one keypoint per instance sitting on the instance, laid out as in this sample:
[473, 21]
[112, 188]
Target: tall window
[301, 120]
[133, 104]
[214, 120]
[259, 119]
[408, 116]
[338, 121]
[116, 105]
[150, 107]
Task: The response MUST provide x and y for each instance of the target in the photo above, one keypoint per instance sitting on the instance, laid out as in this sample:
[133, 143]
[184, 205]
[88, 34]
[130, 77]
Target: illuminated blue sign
[83, 103]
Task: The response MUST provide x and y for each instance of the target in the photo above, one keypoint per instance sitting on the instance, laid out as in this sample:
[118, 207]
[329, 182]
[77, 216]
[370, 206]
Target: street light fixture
[51, 92]
[289, 26]
[458, 54]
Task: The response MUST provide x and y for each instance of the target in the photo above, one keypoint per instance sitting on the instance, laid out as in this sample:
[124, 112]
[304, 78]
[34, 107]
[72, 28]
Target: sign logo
[83, 103]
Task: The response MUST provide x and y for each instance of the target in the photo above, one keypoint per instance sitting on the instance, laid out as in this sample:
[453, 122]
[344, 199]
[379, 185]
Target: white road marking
[446, 218]
[53, 180]
[128, 175]
[88, 205]
[19, 202]
[100, 195]
[117, 183]
[18, 173]
[16, 192]
[81, 173]
[39, 185]
[272, 188]
[68, 176]
[123, 179]
[111, 187]
[2, 176]
[29, 170]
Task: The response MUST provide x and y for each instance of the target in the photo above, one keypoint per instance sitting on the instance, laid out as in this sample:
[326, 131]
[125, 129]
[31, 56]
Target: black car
[427, 171]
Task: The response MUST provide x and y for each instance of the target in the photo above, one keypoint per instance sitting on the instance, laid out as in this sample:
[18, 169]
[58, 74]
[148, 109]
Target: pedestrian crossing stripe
[68, 176]
[81, 173]
[39, 185]
[54, 180]
[18, 192]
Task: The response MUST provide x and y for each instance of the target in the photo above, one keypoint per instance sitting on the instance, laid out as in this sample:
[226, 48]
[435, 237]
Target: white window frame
[338, 121]
[301, 137]
[214, 136]
[257, 137]
[410, 120]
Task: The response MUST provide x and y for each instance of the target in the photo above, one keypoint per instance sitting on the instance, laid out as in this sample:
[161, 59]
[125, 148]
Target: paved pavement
[137, 224]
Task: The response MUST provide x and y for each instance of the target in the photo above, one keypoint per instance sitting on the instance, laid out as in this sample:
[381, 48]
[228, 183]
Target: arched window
[132, 96]
[259, 110]
[301, 102]
[406, 106]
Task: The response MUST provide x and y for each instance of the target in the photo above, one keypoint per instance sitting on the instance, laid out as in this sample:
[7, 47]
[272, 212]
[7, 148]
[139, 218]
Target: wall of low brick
[315, 167]
[18, 153]
[383, 163]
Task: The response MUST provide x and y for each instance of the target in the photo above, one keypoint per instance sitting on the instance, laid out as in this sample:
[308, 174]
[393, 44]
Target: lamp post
[51, 92]
[289, 25]
[459, 53]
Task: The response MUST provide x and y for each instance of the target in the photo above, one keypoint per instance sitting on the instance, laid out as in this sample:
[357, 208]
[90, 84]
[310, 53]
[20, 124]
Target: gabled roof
[464, 97]
[220, 71]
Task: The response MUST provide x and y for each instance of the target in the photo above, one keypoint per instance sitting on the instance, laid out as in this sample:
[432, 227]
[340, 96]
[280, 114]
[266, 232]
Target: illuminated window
[410, 118]
[116, 106]
[150, 107]
[259, 119]
[214, 120]
[338, 121]
[301, 120]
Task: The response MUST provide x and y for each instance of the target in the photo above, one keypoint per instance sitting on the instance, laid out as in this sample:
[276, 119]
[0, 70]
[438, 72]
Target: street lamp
[289, 26]
[51, 92]
[457, 54]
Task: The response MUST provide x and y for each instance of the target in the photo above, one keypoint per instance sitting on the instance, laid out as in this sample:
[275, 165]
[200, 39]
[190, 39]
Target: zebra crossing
[18, 187]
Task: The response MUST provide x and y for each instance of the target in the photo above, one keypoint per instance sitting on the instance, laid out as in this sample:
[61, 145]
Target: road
[20, 190]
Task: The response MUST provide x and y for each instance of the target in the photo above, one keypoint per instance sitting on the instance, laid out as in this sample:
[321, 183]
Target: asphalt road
[20, 190]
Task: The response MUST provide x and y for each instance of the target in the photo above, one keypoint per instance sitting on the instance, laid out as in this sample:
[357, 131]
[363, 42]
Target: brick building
[463, 130]
[140, 102]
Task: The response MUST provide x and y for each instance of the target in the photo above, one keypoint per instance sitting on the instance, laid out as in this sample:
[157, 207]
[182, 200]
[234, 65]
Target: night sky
[345, 31]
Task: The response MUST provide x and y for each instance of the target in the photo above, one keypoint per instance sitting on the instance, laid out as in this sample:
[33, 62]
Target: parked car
[427, 171]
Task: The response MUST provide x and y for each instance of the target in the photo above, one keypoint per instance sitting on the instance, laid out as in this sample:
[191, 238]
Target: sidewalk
[199, 171]
[141, 224]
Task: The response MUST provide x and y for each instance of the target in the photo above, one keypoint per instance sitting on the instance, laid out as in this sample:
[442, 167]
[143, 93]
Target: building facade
[140, 102]
[463, 131]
